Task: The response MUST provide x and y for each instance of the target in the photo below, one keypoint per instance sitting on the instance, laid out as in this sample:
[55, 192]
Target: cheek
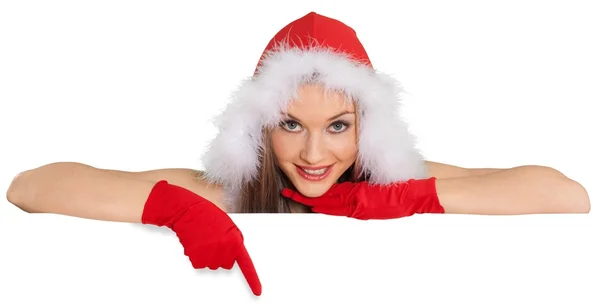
[284, 146]
[343, 147]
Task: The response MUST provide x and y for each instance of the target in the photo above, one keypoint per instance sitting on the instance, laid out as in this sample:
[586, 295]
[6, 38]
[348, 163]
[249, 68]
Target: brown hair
[262, 194]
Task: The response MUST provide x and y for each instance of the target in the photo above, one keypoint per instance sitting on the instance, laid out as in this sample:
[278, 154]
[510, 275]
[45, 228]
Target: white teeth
[315, 172]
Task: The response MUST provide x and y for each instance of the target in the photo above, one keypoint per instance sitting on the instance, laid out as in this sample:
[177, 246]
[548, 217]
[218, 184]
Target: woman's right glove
[208, 235]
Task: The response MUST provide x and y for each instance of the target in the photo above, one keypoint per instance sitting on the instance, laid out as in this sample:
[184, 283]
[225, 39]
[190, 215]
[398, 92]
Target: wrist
[167, 203]
[424, 192]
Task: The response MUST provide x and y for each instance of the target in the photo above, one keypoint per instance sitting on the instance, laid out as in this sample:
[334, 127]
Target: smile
[314, 173]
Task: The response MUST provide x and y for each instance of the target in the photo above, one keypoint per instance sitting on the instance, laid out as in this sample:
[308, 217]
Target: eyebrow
[331, 118]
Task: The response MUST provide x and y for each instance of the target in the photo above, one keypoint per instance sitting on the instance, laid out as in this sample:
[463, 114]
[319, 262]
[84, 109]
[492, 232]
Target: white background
[133, 85]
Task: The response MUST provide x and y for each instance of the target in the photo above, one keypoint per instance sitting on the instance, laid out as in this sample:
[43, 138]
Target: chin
[312, 191]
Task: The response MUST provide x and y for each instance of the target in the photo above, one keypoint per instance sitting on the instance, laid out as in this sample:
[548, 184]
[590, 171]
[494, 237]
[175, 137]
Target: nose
[314, 149]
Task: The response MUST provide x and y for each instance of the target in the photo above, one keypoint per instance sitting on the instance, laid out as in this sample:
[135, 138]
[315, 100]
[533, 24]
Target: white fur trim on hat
[387, 150]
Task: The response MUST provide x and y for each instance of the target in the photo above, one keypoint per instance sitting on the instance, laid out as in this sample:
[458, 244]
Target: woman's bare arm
[444, 171]
[80, 190]
[183, 177]
[518, 190]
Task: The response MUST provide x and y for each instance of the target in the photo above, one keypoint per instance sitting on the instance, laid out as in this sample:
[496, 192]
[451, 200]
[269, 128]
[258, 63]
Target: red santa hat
[313, 48]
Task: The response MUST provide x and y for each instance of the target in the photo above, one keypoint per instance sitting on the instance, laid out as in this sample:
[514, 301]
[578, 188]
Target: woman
[316, 129]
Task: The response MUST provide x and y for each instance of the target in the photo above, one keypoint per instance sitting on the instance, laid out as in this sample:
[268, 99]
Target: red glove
[208, 235]
[365, 201]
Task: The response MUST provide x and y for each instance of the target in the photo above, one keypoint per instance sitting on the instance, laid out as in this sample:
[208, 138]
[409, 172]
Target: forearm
[446, 171]
[80, 190]
[519, 190]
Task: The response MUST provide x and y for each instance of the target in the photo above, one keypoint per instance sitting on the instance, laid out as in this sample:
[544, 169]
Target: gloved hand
[208, 235]
[364, 201]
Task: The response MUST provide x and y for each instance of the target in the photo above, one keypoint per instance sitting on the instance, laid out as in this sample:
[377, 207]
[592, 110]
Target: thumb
[247, 267]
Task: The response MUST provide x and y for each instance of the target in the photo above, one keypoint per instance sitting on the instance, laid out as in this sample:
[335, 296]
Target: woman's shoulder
[190, 179]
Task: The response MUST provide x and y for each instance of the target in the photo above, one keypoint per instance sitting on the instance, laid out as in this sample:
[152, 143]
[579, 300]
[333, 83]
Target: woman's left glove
[362, 200]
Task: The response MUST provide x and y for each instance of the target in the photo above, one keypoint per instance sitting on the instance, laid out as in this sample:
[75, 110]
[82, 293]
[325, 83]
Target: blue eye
[339, 126]
[289, 125]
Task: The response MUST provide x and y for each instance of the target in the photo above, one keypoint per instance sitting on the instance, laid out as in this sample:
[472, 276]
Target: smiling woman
[315, 129]
[282, 129]
[316, 145]
[313, 147]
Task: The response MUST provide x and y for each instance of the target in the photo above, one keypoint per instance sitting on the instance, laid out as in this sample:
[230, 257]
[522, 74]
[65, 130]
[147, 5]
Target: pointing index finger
[247, 267]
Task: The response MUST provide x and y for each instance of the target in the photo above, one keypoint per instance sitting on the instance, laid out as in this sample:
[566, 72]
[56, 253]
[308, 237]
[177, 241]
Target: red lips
[314, 177]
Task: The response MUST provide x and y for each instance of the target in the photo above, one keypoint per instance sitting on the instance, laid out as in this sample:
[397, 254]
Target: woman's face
[316, 141]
